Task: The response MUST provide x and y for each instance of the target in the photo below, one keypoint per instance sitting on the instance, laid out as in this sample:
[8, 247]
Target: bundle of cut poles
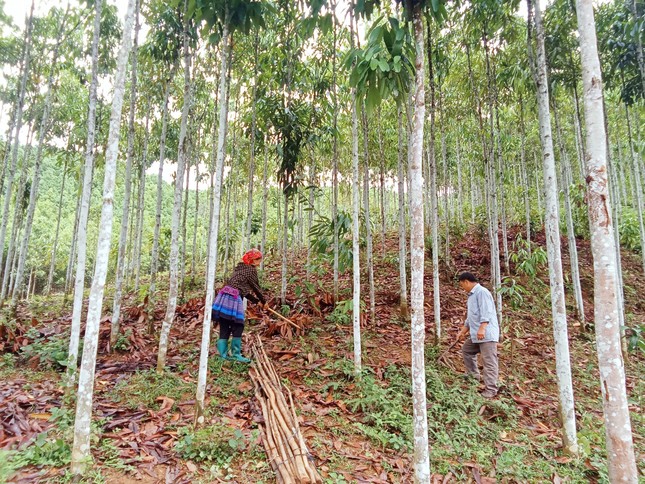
[281, 436]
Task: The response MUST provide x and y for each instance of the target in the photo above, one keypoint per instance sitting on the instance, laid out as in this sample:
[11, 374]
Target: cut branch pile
[281, 436]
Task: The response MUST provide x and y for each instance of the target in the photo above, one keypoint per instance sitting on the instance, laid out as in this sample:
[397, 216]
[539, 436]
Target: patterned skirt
[228, 306]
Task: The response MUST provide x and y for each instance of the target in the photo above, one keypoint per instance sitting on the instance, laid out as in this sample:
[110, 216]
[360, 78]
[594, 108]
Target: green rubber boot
[222, 348]
[236, 351]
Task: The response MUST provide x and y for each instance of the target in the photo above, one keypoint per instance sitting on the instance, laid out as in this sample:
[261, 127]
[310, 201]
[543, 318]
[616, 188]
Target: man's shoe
[236, 351]
[488, 395]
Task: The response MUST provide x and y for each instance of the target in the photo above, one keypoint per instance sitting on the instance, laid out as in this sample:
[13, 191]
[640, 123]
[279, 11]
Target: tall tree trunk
[368, 223]
[196, 218]
[417, 248]
[493, 188]
[52, 261]
[214, 226]
[81, 456]
[356, 251]
[184, 219]
[638, 188]
[502, 195]
[249, 212]
[136, 262]
[84, 209]
[434, 199]
[284, 251]
[460, 185]
[552, 231]
[620, 447]
[33, 194]
[19, 212]
[571, 235]
[382, 180]
[446, 186]
[173, 283]
[525, 178]
[311, 209]
[334, 176]
[26, 58]
[72, 251]
[265, 197]
[127, 188]
[403, 253]
[154, 258]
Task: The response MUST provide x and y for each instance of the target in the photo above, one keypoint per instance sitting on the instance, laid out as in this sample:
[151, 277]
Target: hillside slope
[357, 430]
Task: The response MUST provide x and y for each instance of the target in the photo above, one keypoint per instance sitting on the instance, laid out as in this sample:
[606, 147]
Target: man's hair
[467, 276]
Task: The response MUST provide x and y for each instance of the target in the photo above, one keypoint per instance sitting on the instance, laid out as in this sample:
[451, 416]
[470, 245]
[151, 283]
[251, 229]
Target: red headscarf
[251, 255]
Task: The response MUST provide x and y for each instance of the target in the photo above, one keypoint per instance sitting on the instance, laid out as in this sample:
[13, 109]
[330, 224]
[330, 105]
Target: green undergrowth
[464, 429]
[53, 449]
[230, 380]
[145, 389]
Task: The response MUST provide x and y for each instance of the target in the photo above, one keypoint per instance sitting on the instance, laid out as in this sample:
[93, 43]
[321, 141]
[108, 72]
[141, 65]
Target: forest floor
[358, 430]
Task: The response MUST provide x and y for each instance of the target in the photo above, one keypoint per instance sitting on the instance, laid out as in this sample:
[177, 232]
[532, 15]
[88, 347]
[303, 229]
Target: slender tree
[84, 207]
[82, 421]
[177, 204]
[620, 447]
[552, 230]
[127, 189]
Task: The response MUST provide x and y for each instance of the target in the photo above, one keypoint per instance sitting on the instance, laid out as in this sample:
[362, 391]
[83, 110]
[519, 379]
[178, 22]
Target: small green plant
[636, 338]
[527, 262]
[50, 351]
[341, 313]
[46, 450]
[123, 341]
[7, 465]
[321, 236]
[8, 361]
[216, 443]
[513, 292]
[629, 230]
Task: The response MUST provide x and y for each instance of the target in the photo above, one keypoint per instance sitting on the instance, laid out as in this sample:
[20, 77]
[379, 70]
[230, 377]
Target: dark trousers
[228, 328]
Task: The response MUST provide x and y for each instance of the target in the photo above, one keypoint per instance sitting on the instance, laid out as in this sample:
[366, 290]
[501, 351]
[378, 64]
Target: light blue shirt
[481, 309]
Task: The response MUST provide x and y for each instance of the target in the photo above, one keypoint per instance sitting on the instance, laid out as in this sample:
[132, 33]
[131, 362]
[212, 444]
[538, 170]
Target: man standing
[483, 329]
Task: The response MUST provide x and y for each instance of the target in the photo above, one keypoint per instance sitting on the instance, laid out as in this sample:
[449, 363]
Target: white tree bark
[214, 228]
[638, 188]
[127, 189]
[368, 222]
[82, 422]
[26, 57]
[434, 198]
[571, 236]
[141, 204]
[17, 222]
[403, 278]
[334, 176]
[33, 194]
[173, 283]
[620, 447]
[84, 209]
[52, 262]
[525, 178]
[552, 231]
[265, 197]
[154, 258]
[285, 250]
[417, 247]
